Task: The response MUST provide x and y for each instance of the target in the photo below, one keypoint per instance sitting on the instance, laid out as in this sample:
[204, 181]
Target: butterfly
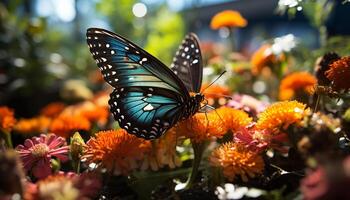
[148, 97]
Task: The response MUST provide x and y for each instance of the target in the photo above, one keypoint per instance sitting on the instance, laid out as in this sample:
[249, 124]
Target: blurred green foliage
[166, 32]
[38, 54]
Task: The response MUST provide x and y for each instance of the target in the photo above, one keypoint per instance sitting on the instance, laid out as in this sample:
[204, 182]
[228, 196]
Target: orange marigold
[338, 74]
[163, 153]
[66, 125]
[38, 124]
[234, 119]
[281, 115]
[237, 160]
[117, 151]
[53, 109]
[228, 18]
[90, 111]
[202, 126]
[215, 91]
[297, 82]
[7, 119]
[263, 57]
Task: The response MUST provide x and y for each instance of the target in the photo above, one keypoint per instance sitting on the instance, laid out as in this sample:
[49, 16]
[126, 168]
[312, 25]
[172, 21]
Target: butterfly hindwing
[187, 63]
[144, 113]
[148, 97]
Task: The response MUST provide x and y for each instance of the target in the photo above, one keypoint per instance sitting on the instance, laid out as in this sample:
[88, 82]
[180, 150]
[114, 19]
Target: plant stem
[198, 149]
[232, 38]
[7, 137]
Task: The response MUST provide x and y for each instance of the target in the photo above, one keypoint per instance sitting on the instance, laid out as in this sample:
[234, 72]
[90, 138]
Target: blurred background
[44, 56]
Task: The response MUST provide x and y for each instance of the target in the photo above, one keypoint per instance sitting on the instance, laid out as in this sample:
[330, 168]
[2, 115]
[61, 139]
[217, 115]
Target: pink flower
[315, 185]
[37, 152]
[247, 103]
[260, 140]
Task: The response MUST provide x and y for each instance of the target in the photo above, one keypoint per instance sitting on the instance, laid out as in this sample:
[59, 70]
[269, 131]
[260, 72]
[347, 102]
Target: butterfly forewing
[124, 64]
[148, 97]
[187, 63]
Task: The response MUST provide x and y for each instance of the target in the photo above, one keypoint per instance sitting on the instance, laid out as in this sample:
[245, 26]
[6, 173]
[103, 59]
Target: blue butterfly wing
[148, 97]
[187, 63]
[143, 112]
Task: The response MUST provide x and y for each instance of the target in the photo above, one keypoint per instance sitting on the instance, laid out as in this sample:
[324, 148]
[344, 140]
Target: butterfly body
[148, 97]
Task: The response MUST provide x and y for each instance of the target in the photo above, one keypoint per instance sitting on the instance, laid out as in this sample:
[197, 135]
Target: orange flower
[200, 127]
[262, 58]
[163, 153]
[66, 125]
[338, 74]
[117, 151]
[215, 92]
[295, 83]
[228, 18]
[236, 160]
[38, 124]
[53, 109]
[7, 119]
[90, 111]
[234, 119]
[281, 115]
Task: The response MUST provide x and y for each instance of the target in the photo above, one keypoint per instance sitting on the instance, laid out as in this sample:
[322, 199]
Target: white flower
[283, 44]
[229, 191]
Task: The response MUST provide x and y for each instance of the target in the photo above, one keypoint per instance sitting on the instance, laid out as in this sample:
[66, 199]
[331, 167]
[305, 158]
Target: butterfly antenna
[220, 95]
[217, 78]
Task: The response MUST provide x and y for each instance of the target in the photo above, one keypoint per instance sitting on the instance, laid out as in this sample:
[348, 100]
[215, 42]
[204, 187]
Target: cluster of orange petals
[163, 153]
[7, 118]
[281, 115]
[52, 109]
[237, 160]
[215, 92]
[203, 126]
[66, 125]
[117, 151]
[38, 124]
[339, 73]
[262, 58]
[234, 119]
[90, 111]
[295, 83]
[228, 18]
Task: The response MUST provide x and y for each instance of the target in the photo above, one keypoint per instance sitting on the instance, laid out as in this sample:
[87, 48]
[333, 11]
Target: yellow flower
[7, 119]
[237, 160]
[38, 124]
[234, 119]
[339, 73]
[117, 151]
[52, 109]
[228, 18]
[202, 126]
[281, 115]
[297, 82]
[66, 125]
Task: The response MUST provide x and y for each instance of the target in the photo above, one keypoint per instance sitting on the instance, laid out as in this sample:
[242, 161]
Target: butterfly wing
[187, 63]
[148, 98]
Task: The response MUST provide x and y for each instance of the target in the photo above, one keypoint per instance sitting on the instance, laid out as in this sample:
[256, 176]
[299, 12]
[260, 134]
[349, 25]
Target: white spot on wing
[148, 107]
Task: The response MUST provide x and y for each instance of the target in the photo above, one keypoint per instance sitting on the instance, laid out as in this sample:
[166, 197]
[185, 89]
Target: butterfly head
[199, 97]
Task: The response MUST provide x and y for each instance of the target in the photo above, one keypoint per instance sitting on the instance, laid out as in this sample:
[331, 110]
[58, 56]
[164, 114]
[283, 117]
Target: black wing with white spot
[187, 63]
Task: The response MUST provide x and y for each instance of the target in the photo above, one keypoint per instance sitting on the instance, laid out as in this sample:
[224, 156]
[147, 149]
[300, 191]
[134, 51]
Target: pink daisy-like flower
[36, 153]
